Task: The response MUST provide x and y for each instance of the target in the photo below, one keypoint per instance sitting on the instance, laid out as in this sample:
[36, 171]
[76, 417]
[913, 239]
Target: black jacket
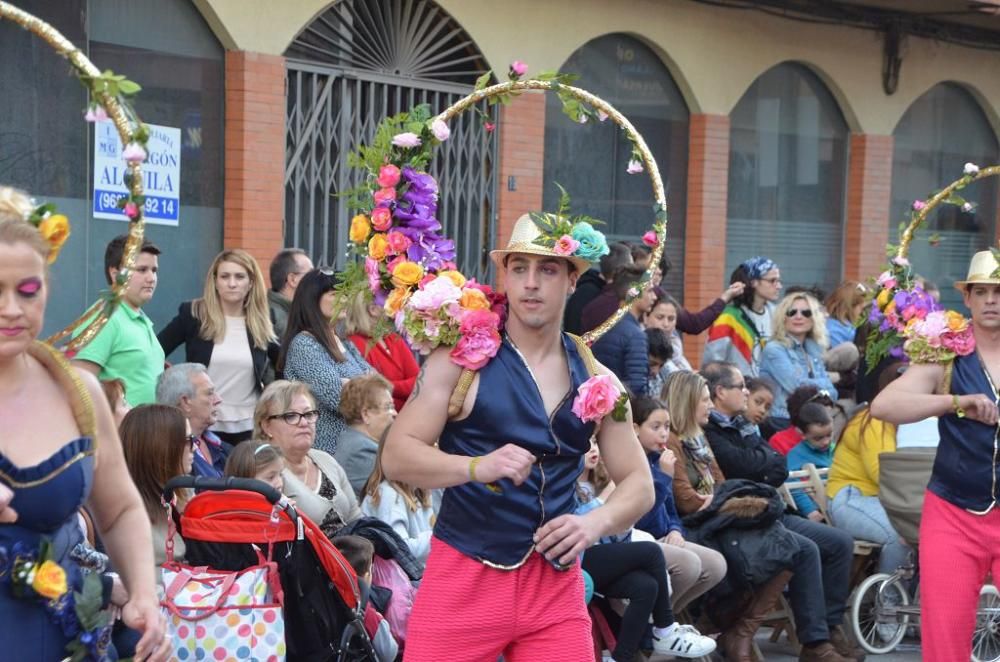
[387, 544]
[185, 329]
[588, 287]
[742, 453]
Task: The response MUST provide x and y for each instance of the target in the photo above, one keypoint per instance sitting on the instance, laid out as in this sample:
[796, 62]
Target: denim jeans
[865, 519]
[822, 566]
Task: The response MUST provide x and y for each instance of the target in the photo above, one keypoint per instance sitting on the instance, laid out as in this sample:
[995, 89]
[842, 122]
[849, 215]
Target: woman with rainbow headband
[738, 335]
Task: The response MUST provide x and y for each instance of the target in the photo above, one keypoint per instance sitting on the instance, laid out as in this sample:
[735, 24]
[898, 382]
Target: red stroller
[324, 606]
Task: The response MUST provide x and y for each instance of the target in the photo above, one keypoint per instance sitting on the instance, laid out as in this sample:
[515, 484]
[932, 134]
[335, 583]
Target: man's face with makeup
[23, 292]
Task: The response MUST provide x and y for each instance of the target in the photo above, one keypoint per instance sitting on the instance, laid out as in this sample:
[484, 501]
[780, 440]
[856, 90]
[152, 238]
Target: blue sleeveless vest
[964, 470]
[497, 528]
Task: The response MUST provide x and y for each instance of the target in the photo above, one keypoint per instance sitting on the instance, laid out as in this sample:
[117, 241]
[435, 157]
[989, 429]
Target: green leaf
[483, 80]
[128, 88]
[620, 412]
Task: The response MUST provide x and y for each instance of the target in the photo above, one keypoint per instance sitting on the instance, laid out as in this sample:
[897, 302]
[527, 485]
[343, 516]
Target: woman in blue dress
[59, 450]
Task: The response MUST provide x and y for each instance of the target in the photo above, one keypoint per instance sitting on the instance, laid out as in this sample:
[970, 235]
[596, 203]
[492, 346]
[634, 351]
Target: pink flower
[384, 196]
[426, 280]
[391, 264]
[398, 242]
[886, 280]
[489, 126]
[95, 114]
[134, 153]
[131, 209]
[601, 116]
[480, 340]
[566, 245]
[518, 68]
[596, 398]
[406, 139]
[651, 239]
[437, 293]
[634, 167]
[381, 219]
[388, 176]
[374, 277]
[900, 261]
[962, 343]
[440, 129]
[918, 205]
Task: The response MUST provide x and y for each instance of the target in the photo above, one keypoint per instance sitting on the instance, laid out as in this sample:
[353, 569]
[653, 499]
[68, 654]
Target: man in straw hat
[960, 524]
[503, 576]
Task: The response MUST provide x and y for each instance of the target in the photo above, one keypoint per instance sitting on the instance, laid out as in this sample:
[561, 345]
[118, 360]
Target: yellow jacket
[855, 462]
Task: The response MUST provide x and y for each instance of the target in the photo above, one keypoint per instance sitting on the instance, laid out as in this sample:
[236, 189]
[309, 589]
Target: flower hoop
[107, 95]
[905, 320]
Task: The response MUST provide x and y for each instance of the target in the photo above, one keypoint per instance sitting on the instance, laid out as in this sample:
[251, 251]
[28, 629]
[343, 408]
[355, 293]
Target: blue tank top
[965, 469]
[497, 527]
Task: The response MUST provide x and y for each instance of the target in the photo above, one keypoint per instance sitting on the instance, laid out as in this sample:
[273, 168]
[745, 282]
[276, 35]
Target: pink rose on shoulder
[479, 340]
[384, 196]
[388, 175]
[566, 245]
[381, 219]
[962, 343]
[651, 239]
[596, 398]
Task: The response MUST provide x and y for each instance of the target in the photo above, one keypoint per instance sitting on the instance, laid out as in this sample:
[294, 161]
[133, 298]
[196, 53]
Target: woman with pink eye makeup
[59, 450]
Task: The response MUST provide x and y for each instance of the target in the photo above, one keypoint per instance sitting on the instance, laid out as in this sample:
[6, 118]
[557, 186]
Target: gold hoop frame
[127, 124]
[648, 162]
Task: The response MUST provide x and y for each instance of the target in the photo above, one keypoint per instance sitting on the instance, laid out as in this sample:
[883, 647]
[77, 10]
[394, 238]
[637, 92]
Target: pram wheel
[986, 638]
[877, 625]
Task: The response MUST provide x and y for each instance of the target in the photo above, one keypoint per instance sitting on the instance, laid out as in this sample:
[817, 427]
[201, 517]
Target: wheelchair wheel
[986, 638]
[875, 627]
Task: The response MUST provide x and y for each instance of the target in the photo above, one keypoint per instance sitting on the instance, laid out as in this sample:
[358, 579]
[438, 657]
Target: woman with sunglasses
[286, 417]
[312, 352]
[794, 355]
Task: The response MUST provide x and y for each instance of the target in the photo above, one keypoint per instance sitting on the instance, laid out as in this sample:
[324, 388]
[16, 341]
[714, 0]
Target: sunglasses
[821, 395]
[805, 312]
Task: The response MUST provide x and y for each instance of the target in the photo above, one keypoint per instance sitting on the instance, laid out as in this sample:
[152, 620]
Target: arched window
[590, 160]
[787, 168]
[942, 131]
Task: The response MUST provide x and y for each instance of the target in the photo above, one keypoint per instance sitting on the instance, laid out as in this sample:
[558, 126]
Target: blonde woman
[793, 356]
[228, 330]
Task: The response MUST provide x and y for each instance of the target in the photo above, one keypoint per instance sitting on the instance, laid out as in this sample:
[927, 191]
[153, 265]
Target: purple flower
[432, 251]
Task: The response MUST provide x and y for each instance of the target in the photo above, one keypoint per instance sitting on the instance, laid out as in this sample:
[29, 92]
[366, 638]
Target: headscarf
[756, 267]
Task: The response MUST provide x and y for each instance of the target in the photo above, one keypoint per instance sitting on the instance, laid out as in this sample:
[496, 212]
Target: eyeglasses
[805, 312]
[295, 417]
[773, 280]
[741, 386]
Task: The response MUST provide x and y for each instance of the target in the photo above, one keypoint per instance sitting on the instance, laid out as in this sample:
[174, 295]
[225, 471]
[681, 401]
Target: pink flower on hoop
[479, 340]
[518, 68]
[566, 245]
[651, 239]
[918, 205]
[96, 113]
[134, 153]
[440, 130]
[634, 167]
[596, 398]
[131, 209]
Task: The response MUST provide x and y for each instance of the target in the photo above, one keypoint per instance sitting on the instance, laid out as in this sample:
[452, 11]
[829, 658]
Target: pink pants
[957, 550]
[468, 612]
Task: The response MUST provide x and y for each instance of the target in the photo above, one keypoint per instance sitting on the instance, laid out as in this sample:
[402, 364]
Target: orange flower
[50, 580]
[473, 299]
[883, 298]
[361, 227]
[956, 322]
[407, 273]
[55, 230]
[377, 246]
[454, 276]
[397, 299]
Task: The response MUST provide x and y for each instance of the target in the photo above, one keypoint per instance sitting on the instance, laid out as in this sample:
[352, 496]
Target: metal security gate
[332, 109]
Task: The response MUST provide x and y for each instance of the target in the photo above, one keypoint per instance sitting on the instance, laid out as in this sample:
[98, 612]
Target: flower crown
[570, 236]
[53, 227]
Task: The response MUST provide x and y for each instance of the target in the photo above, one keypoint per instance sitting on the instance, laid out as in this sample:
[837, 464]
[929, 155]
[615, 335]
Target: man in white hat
[503, 576]
[960, 522]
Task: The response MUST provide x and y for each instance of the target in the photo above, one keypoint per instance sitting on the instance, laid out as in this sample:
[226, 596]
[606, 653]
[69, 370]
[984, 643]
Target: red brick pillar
[255, 154]
[522, 156]
[705, 228]
[869, 192]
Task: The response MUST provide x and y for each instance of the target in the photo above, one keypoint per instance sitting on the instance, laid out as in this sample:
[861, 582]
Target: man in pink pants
[960, 524]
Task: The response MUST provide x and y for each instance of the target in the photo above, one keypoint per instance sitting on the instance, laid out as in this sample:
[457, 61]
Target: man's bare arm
[913, 397]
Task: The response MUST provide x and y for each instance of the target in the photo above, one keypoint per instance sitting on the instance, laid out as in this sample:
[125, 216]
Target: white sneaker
[684, 641]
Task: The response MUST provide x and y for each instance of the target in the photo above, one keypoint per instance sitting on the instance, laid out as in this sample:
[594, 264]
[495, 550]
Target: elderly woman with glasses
[286, 417]
[794, 355]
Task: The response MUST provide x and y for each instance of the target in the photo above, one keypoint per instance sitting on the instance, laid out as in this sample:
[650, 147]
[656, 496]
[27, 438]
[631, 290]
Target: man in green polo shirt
[127, 348]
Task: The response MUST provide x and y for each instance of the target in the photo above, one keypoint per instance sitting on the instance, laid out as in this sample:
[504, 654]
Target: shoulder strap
[461, 390]
[65, 375]
[585, 353]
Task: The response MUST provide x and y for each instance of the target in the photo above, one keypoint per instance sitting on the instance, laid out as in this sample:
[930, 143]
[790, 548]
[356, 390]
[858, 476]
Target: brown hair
[276, 399]
[359, 552]
[15, 207]
[682, 393]
[114, 390]
[359, 394]
[415, 497]
[154, 438]
[208, 309]
[250, 457]
[841, 303]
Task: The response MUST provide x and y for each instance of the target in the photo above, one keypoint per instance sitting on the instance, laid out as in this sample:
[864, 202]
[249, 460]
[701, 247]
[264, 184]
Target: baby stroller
[323, 610]
[881, 607]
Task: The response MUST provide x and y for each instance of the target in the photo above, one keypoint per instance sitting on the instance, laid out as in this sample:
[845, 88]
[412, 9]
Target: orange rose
[361, 227]
[457, 278]
[407, 273]
[377, 246]
[55, 230]
[883, 298]
[397, 299]
[50, 580]
[473, 299]
[956, 322]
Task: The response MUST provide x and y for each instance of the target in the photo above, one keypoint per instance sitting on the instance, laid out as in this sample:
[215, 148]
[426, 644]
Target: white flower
[601, 116]
[971, 169]
[440, 129]
[634, 167]
[900, 261]
[968, 206]
[406, 139]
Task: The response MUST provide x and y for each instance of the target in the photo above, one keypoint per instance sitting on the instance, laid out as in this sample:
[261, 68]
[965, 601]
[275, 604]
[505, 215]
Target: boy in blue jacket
[816, 447]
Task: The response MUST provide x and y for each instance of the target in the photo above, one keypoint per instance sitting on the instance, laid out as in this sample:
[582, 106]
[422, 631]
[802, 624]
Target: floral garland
[33, 575]
[904, 320]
